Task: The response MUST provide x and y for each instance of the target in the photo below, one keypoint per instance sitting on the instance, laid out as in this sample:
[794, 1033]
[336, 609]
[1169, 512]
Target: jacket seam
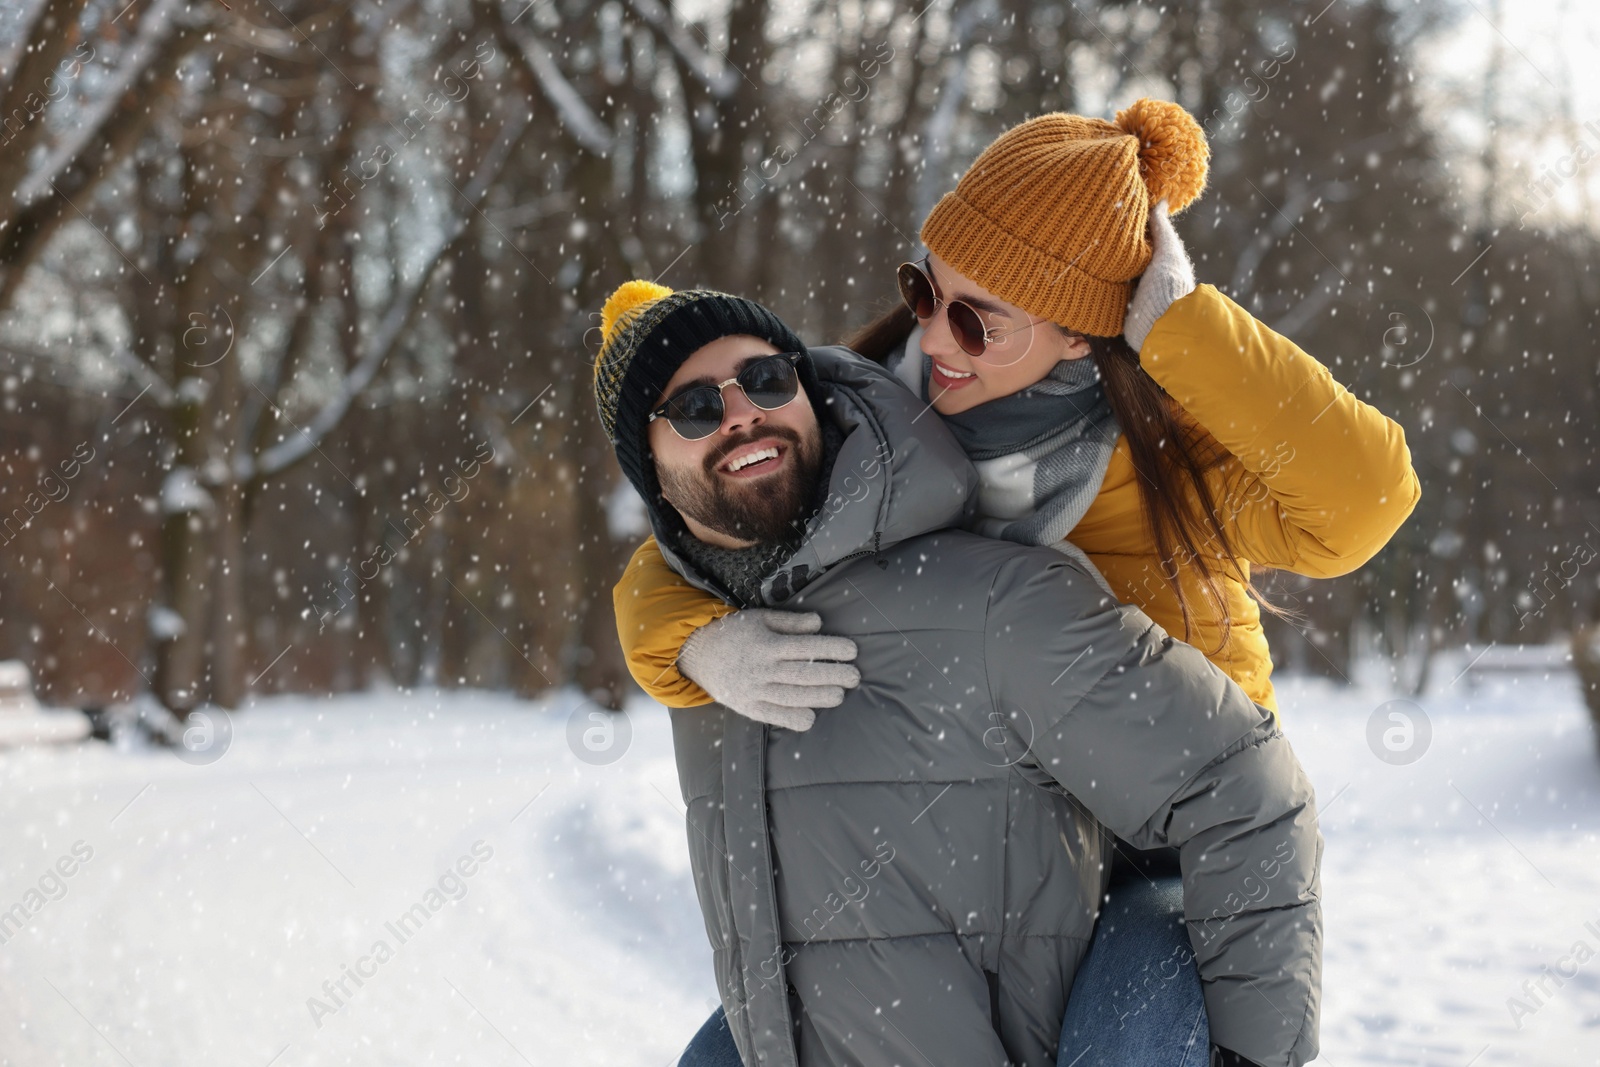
[1055, 936]
[1096, 683]
[988, 679]
[889, 781]
[1315, 898]
[1234, 747]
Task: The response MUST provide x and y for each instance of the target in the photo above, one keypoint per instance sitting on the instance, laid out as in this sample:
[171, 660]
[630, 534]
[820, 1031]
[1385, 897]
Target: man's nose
[738, 413]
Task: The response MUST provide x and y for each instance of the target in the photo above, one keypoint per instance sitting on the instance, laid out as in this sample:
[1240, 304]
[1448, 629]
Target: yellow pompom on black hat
[647, 332]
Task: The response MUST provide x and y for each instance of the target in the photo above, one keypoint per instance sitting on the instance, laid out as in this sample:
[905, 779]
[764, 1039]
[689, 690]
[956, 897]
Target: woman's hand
[771, 666]
[1169, 276]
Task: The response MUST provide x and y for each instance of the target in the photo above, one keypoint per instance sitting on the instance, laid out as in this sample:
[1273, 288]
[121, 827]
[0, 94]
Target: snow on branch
[91, 134]
[182, 493]
[395, 319]
[143, 374]
[584, 125]
[720, 80]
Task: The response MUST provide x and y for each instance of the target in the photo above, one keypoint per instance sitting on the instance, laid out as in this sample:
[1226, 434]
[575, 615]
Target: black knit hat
[649, 332]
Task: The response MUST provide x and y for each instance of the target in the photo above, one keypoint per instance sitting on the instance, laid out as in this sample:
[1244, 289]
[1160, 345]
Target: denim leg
[1136, 1000]
[713, 1046]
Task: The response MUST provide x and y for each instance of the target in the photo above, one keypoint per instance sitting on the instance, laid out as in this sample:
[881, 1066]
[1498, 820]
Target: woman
[1176, 441]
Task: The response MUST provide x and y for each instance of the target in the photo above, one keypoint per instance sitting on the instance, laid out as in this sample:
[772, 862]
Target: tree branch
[394, 322]
[94, 151]
[42, 47]
[720, 80]
[143, 54]
[576, 118]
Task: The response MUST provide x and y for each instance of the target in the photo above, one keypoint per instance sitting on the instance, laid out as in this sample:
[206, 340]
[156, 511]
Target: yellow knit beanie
[1051, 217]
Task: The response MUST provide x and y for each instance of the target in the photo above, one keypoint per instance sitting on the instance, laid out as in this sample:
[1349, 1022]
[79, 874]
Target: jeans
[1135, 1001]
[713, 1046]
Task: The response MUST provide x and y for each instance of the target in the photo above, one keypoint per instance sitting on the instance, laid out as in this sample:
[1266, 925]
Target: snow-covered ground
[1451, 881]
[215, 901]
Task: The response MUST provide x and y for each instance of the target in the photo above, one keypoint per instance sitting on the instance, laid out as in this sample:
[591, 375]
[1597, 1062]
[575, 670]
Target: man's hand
[771, 666]
[1169, 276]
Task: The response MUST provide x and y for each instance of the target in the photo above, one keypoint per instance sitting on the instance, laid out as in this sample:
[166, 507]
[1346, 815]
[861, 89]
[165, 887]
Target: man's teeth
[948, 373]
[754, 457]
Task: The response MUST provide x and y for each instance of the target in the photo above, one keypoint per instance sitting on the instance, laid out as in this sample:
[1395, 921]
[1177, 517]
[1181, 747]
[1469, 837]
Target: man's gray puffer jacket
[914, 880]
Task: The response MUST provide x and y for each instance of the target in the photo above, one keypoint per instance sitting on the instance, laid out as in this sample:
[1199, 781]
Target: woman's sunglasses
[696, 413]
[921, 295]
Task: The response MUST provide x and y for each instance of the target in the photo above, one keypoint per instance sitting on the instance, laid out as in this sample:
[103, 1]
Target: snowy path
[1449, 882]
[219, 899]
[205, 920]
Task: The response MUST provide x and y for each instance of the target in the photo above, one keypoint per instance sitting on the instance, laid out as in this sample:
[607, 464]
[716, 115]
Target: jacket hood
[899, 474]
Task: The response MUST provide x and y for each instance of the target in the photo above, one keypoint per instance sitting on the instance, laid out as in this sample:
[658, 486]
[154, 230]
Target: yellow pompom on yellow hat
[1052, 216]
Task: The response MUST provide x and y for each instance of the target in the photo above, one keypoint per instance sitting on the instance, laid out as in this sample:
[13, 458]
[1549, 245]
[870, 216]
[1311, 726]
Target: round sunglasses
[696, 413]
[922, 297]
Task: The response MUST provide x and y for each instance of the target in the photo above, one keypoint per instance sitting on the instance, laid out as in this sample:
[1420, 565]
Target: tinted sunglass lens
[967, 329]
[697, 413]
[916, 291]
[770, 384]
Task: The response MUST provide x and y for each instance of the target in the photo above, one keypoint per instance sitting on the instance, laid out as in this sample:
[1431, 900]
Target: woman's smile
[948, 377]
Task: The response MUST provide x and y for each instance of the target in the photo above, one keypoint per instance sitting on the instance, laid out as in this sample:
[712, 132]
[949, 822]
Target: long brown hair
[1168, 455]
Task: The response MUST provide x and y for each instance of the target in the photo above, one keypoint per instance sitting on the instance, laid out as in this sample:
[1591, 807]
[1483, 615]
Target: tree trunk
[599, 667]
[229, 614]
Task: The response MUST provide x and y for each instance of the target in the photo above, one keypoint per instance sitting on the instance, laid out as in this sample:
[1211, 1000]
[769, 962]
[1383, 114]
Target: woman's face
[1021, 354]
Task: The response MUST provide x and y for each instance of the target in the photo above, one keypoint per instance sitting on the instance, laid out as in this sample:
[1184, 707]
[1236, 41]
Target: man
[914, 879]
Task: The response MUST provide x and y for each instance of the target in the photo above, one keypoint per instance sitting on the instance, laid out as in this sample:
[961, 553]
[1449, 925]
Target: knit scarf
[1041, 453]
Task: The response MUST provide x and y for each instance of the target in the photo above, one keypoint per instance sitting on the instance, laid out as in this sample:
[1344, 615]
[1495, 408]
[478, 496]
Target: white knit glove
[1169, 277]
[770, 666]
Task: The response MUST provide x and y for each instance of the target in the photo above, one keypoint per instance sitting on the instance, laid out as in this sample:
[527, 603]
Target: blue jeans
[1135, 1001]
[713, 1046]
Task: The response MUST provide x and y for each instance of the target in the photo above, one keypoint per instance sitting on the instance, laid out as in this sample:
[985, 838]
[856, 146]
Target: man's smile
[766, 455]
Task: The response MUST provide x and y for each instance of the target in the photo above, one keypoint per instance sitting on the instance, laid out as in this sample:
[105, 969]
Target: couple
[1032, 827]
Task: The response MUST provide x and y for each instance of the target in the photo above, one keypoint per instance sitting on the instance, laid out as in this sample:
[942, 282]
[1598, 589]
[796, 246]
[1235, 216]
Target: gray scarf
[1041, 453]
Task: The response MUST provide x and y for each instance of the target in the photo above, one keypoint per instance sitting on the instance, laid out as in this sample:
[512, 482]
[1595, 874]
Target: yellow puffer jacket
[1315, 481]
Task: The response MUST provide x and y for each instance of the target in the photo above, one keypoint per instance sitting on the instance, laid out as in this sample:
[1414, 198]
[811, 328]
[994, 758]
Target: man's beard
[764, 510]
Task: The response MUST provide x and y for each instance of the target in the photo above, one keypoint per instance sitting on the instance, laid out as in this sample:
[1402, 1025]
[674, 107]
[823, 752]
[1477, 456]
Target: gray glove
[764, 664]
[1169, 277]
